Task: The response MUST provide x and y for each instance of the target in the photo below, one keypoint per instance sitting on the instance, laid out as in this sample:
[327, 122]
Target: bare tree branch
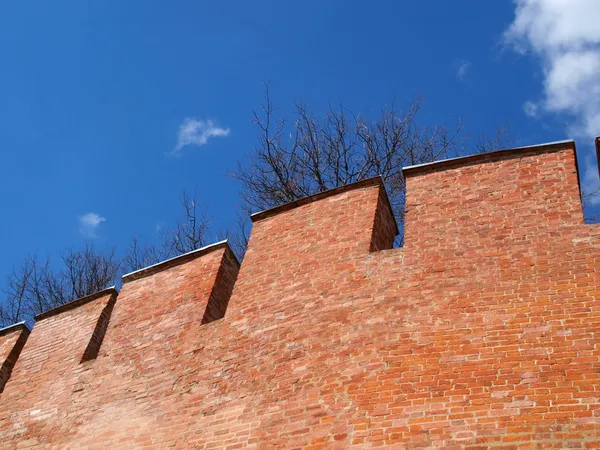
[191, 230]
[16, 291]
[188, 233]
[38, 286]
[312, 154]
[501, 139]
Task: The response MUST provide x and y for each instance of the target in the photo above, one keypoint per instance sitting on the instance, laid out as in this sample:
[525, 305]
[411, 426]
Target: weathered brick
[481, 332]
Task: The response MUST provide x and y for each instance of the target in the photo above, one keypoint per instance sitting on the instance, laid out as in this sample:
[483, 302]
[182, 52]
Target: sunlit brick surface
[483, 331]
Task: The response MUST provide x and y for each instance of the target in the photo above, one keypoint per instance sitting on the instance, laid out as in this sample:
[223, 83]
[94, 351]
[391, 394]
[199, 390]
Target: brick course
[481, 332]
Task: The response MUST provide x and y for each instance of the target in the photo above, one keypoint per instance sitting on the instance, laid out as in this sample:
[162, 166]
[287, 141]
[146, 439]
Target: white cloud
[530, 109]
[197, 132]
[463, 68]
[89, 223]
[565, 36]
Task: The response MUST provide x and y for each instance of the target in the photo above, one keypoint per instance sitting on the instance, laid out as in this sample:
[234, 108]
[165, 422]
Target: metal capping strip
[484, 156]
[140, 273]
[374, 181]
[14, 326]
[75, 303]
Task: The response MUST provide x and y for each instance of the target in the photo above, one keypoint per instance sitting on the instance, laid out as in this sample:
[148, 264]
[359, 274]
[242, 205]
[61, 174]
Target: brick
[481, 332]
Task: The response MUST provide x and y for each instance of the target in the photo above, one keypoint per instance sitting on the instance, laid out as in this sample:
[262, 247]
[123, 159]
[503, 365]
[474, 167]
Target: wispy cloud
[88, 224]
[565, 37]
[463, 68]
[197, 132]
[530, 109]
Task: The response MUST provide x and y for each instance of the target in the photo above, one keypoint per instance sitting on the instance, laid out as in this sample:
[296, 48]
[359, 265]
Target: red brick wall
[481, 332]
[12, 341]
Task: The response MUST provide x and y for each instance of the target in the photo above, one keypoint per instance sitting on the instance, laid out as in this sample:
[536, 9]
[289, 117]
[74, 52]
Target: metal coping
[154, 268]
[14, 326]
[496, 155]
[481, 157]
[375, 181]
[75, 303]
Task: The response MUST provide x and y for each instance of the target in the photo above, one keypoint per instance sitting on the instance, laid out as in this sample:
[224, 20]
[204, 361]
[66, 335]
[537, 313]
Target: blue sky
[110, 109]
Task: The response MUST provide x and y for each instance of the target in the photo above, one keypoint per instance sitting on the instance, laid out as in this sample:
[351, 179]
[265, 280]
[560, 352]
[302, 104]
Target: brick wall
[12, 341]
[481, 332]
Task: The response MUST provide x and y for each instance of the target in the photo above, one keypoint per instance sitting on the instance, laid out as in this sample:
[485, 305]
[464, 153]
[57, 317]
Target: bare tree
[139, 254]
[502, 138]
[587, 198]
[87, 271]
[312, 154]
[16, 291]
[38, 286]
[190, 230]
[188, 233]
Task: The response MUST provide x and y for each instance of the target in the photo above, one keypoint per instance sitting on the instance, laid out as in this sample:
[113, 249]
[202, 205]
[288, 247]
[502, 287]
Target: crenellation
[480, 332]
[12, 341]
[222, 288]
[95, 342]
[385, 228]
